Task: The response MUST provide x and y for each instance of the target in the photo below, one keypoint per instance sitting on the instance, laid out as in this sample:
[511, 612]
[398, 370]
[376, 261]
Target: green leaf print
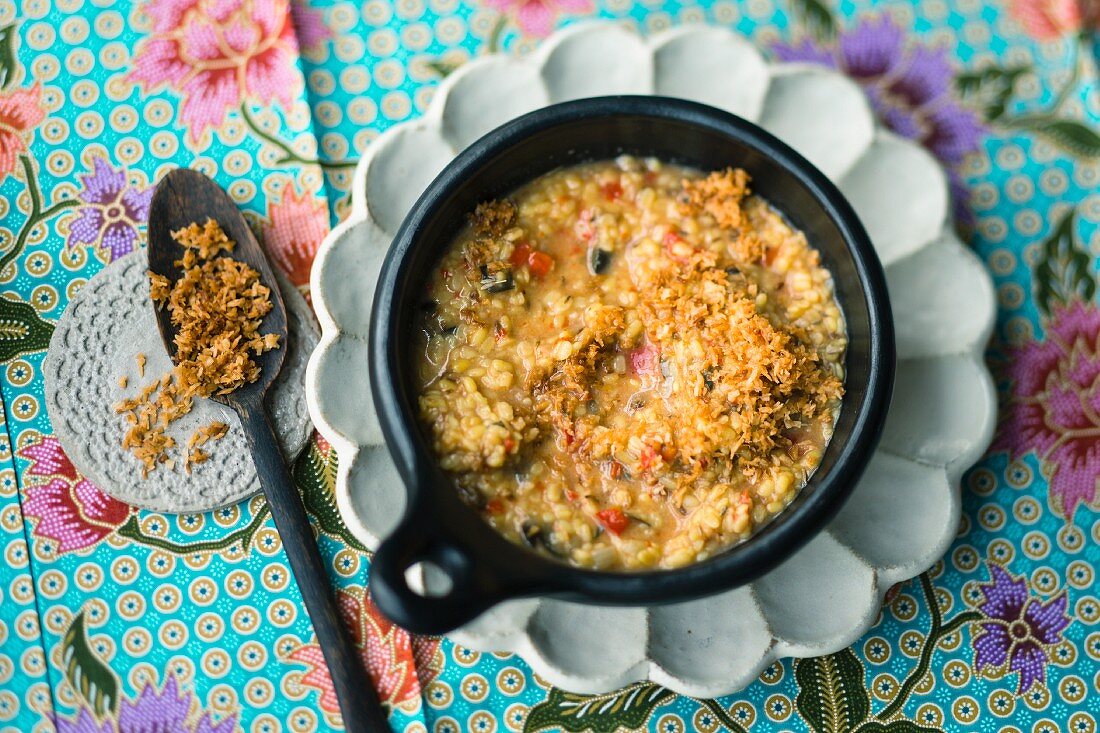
[315, 474]
[443, 67]
[896, 726]
[22, 330]
[131, 529]
[87, 673]
[816, 16]
[990, 88]
[1070, 135]
[627, 709]
[1063, 274]
[7, 54]
[831, 695]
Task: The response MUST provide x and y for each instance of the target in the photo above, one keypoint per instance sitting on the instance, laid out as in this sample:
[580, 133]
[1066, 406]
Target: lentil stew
[630, 365]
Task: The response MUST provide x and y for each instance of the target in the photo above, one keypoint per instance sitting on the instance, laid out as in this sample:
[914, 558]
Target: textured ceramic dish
[108, 323]
[483, 568]
[903, 513]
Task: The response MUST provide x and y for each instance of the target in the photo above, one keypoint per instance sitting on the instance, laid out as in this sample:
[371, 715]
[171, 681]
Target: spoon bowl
[184, 197]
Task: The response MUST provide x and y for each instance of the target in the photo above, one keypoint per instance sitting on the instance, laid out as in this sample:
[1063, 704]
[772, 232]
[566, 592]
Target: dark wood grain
[183, 197]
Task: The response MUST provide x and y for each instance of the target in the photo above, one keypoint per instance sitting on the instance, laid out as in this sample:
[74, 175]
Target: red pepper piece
[613, 520]
[520, 254]
[540, 263]
[612, 191]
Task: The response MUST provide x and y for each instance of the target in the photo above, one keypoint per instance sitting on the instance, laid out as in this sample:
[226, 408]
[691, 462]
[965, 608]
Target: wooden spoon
[185, 196]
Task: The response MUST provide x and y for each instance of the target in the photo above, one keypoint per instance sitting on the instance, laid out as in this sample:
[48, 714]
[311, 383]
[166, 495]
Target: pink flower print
[112, 213]
[296, 225]
[400, 664]
[1016, 629]
[536, 17]
[20, 112]
[219, 53]
[1047, 20]
[1054, 406]
[69, 509]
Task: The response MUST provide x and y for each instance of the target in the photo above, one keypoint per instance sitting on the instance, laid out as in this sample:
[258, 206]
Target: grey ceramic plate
[105, 327]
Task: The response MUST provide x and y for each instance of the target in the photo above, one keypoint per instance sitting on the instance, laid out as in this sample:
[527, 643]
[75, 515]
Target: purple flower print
[1054, 408]
[111, 214]
[167, 710]
[908, 86]
[871, 49]
[1016, 629]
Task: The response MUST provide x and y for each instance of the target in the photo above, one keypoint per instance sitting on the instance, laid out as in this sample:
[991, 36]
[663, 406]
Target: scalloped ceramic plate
[905, 510]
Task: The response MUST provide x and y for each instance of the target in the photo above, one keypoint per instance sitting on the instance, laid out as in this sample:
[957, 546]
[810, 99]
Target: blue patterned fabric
[113, 615]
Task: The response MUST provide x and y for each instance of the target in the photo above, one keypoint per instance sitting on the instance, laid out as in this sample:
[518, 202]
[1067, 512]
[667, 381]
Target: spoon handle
[359, 705]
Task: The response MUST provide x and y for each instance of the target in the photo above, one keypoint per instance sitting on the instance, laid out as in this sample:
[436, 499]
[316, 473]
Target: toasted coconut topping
[216, 306]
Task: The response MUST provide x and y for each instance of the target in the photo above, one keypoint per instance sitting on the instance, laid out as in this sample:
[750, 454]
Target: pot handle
[468, 585]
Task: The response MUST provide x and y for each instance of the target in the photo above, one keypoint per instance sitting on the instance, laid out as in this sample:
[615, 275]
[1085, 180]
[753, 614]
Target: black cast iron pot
[437, 529]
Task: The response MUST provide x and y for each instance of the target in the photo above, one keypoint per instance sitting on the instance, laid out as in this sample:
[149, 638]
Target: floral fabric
[122, 620]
